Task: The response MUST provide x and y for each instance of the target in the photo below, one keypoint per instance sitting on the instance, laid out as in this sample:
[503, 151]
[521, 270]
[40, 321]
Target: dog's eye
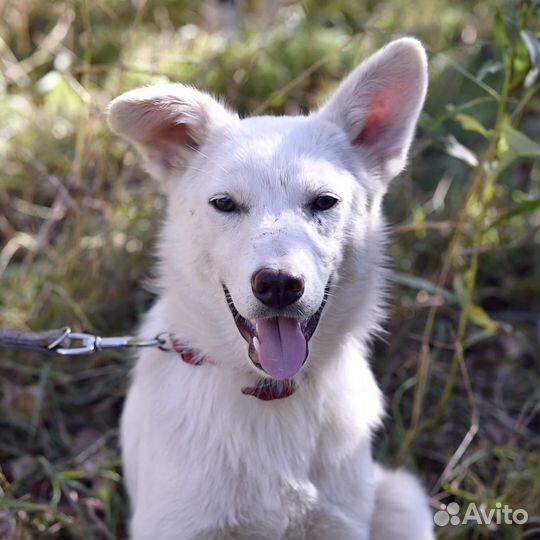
[224, 204]
[324, 202]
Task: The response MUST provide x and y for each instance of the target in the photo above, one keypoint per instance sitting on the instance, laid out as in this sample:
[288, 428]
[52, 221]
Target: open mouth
[277, 345]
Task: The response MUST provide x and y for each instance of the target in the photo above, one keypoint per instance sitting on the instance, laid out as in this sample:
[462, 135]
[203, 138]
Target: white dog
[258, 424]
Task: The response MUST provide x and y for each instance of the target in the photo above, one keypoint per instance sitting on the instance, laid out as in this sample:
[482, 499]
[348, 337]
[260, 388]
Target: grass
[460, 362]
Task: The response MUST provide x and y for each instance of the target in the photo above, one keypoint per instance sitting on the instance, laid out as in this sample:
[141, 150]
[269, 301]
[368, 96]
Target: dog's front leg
[346, 498]
[331, 522]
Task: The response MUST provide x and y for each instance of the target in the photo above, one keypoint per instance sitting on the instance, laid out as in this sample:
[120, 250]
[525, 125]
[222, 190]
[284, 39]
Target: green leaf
[422, 284]
[477, 337]
[527, 206]
[459, 288]
[20, 504]
[478, 315]
[470, 123]
[455, 149]
[489, 68]
[501, 36]
[506, 159]
[533, 48]
[520, 142]
[531, 77]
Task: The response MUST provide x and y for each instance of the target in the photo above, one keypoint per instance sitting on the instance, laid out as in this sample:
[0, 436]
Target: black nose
[275, 288]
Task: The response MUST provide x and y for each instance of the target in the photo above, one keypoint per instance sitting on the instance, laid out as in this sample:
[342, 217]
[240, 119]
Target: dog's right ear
[378, 105]
[168, 123]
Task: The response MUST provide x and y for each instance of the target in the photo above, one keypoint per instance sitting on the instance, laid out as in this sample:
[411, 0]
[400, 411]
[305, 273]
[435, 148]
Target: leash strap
[44, 342]
[68, 343]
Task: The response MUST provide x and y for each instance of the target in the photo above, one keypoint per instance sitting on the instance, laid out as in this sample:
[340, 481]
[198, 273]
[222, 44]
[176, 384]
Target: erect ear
[168, 123]
[378, 105]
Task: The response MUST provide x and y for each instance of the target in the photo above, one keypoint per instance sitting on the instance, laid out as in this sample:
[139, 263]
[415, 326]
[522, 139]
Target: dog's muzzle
[277, 345]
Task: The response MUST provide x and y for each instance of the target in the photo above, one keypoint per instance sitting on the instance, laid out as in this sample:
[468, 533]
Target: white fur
[203, 461]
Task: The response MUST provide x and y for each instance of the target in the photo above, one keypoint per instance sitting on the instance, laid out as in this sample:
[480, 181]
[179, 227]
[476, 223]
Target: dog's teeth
[256, 343]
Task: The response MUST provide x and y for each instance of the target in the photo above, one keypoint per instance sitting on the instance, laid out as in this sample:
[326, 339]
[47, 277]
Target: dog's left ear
[378, 105]
[168, 123]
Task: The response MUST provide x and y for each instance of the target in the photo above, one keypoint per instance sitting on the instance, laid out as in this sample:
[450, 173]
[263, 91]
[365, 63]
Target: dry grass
[460, 363]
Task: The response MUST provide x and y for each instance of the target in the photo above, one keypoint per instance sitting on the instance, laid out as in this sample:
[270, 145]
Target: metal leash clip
[91, 343]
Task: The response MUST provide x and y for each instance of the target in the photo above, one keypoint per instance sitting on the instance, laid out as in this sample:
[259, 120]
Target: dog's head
[274, 215]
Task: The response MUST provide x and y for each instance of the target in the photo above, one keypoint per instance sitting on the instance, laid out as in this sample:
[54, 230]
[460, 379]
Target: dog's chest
[243, 467]
[285, 520]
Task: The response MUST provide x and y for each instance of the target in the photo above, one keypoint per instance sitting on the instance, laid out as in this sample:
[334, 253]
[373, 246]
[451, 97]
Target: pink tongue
[282, 346]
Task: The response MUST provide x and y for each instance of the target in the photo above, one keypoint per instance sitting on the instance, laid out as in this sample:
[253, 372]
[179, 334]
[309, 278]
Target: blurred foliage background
[460, 362]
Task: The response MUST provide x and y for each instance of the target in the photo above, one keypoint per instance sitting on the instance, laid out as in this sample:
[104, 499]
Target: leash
[64, 342]
[67, 343]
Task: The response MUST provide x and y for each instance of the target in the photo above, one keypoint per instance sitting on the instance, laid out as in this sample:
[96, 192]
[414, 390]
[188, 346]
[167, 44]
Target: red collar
[265, 389]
